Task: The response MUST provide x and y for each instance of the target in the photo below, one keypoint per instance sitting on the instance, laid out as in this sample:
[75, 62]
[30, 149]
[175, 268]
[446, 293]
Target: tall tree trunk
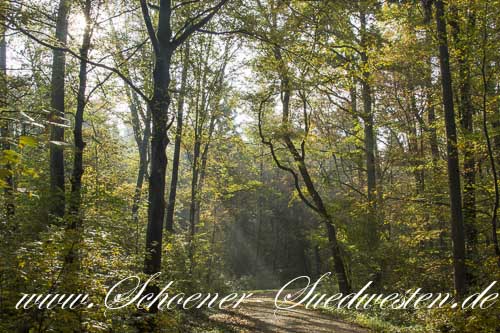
[75, 229]
[488, 87]
[76, 178]
[159, 107]
[5, 131]
[457, 225]
[169, 224]
[164, 47]
[57, 113]
[372, 229]
[469, 196]
[466, 112]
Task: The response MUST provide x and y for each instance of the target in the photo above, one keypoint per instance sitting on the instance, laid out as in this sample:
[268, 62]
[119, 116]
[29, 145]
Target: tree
[164, 46]
[57, 114]
[169, 221]
[457, 224]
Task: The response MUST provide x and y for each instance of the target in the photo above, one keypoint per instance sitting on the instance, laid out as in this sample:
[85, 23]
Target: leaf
[10, 156]
[27, 141]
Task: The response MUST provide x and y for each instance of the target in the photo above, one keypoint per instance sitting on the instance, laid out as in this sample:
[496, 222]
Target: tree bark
[457, 226]
[57, 113]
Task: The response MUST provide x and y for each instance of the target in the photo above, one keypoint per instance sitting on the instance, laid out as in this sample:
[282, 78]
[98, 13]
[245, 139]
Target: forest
[234, 145]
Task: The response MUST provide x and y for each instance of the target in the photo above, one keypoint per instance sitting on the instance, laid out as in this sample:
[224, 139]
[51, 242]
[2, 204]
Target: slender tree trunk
[169, 224]
[429, 87]
[354, 109]
[457, 225]
[469, 196]
[260, 207]
[141, 172]
[5, 131]
[212, 248]
[487, 87]
[75, 230]
[200, 111]
[76, 178]
[317, 260]
[203, 168]
[414, 143]
[466, 112]
[57, 201]
[431, 119]
[432, 124]
[194, 186]
[372, 229]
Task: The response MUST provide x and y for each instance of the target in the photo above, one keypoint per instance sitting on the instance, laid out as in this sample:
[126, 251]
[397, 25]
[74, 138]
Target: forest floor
[259, 314]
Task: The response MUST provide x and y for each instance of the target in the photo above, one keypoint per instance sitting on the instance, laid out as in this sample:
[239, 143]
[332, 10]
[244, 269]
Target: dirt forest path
[259, 314]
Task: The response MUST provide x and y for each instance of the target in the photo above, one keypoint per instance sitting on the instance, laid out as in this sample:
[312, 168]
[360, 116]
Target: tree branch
[149, 27]
[195, 26]
[278, 163]
[77, 56]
